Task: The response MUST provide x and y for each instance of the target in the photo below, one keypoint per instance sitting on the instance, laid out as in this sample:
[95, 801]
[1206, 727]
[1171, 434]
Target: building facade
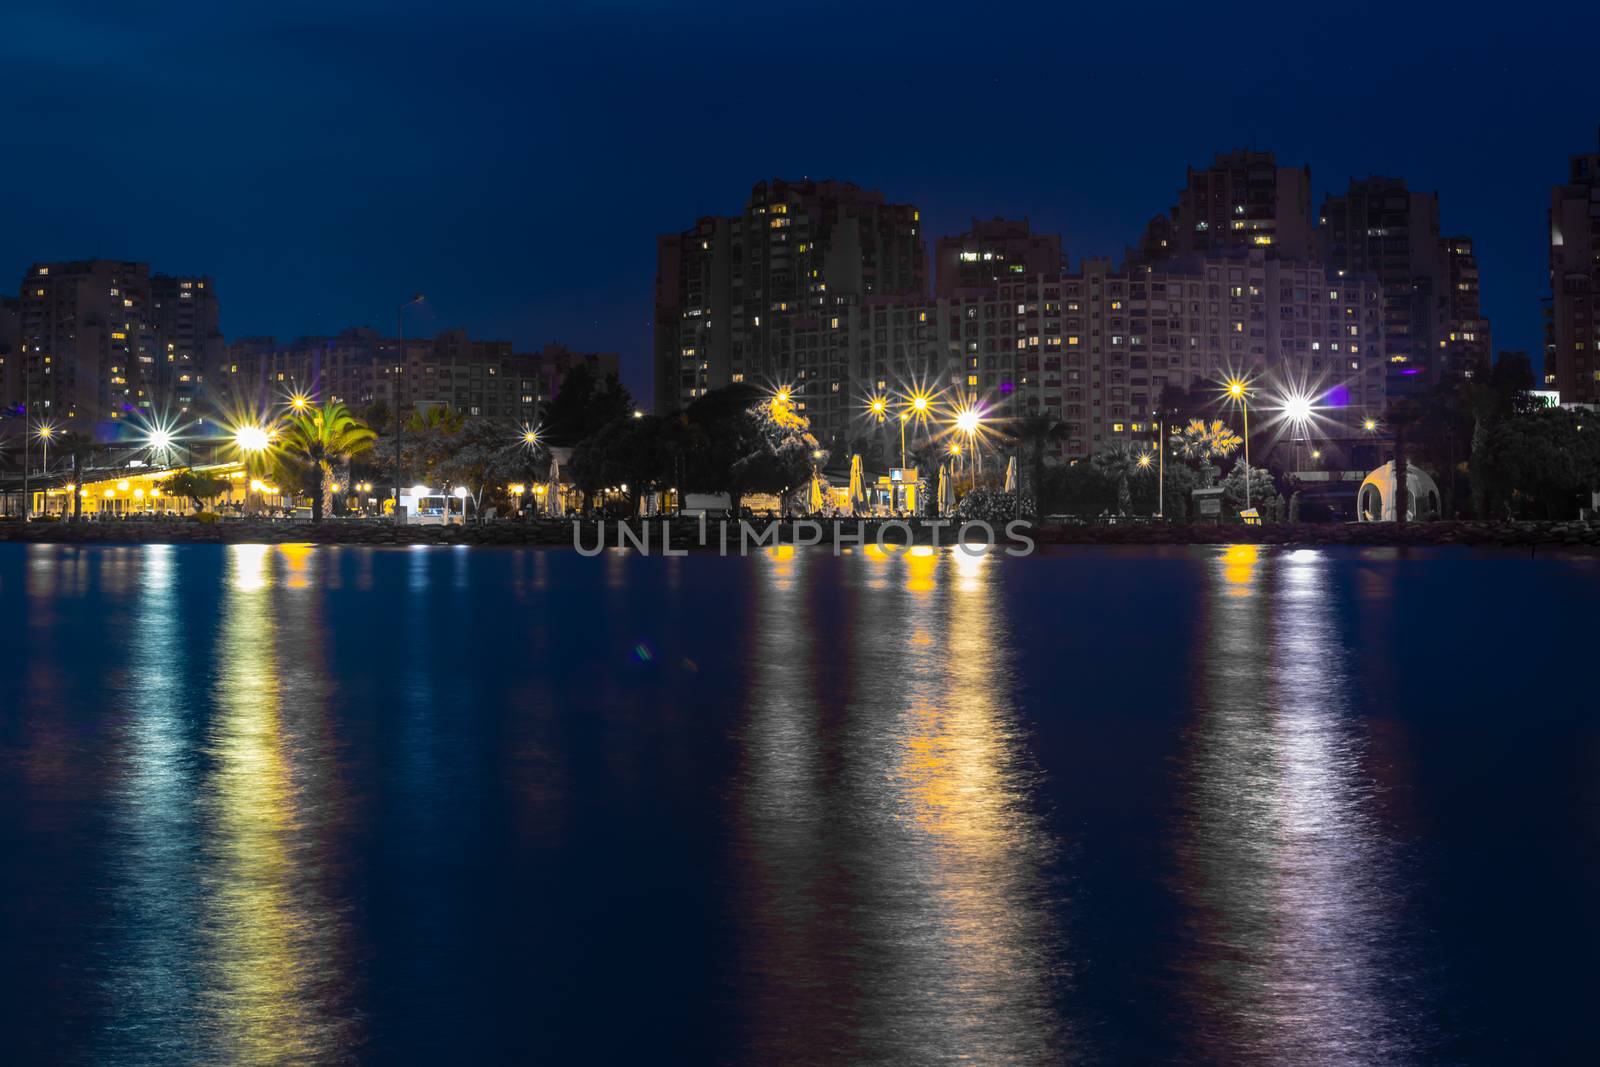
[1243, 201]
[360, 368]
[1572, 329]
[994, 251]
[734, 293]
[101, 342]
[1011, 329]
[1433, 318]
[188, 332]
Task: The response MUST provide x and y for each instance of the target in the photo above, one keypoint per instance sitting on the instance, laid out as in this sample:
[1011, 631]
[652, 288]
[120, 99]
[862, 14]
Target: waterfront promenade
[686, 533]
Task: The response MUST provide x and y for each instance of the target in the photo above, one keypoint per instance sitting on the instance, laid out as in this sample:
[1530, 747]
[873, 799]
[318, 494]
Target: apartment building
[733, 292]
[188, 332]
[101, 342]
[1243, 201]
[1433, 318]
[359, 367]
[993, 251]
[1572, 328]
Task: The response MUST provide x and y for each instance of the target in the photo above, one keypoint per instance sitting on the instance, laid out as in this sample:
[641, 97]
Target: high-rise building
[1572, 342]
[10, 357]
[359, 368]
[189, 333]
[734, 293]
[1433, 319]
[1098, 352]
[992, 251]
[1466, 350]
[100, 342]
[88, 346]
[1243, 201]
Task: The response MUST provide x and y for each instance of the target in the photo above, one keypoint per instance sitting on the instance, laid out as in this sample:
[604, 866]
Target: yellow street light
[299, 401]
[251, 439]
[1369, 425]
[1237, 391]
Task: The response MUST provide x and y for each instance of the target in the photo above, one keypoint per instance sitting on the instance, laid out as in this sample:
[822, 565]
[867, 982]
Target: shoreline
[685, 533]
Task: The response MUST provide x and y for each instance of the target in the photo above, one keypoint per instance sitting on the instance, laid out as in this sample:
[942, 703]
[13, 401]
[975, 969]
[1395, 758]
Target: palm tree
[80, 448]
[1404, 413]
[321, 437]
[1119, 461]
[1202, 442]
[1036, 431]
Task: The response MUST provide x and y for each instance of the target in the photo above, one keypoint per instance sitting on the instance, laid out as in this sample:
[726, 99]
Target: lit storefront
[141, 491]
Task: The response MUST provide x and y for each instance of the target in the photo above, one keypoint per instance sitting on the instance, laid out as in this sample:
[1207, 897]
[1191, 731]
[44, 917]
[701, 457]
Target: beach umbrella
[946, 498]
[552, 492]
[1011, 475]
[816, 492]
[858, 489]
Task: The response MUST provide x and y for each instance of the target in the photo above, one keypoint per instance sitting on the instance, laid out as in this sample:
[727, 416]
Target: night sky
[515, 164]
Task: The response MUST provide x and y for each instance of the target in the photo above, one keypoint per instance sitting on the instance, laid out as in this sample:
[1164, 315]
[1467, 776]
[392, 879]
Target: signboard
[1207, 503]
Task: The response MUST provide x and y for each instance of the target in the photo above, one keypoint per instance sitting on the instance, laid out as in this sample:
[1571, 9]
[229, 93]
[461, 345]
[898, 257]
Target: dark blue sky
[516, 162]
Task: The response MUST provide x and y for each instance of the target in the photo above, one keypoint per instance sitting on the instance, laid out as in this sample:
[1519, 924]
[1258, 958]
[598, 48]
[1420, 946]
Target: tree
[630, 452]
[1118, 462]
[1180, 480]
[480, 452]
[1402, 415]
[1263, 492]
[784, 452]
[584, 405]
[320, 437]
[377, 415]
[1076, 489]
[197, 486]
[1036, 432]
[79, 448]
[1539, 464]
[1201, 442]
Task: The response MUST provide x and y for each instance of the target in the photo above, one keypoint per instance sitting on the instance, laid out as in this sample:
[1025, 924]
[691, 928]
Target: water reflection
[1292, 949]
[274, 992]
[903, 906]
[153, 981]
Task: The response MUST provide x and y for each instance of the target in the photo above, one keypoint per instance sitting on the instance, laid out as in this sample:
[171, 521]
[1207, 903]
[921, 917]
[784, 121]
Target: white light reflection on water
[903, 909]
[1291, 941]
[153, 982]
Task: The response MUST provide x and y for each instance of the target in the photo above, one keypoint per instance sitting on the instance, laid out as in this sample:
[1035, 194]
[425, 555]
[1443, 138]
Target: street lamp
[1237, 391]
[1297, 410]
[251, 441]
[399, 422]
[45, 433]
[461, 495]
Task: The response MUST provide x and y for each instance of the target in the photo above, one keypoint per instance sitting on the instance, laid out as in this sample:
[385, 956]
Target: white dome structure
[1375, 500]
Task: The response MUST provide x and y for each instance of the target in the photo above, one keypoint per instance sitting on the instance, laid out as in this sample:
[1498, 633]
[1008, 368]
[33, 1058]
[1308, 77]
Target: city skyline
[508, 244]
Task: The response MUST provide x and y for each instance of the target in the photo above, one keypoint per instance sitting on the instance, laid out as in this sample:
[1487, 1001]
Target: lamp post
[46, 432]
[399, 423]
[251, 441]
[1236, 390]
[1161, 466]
